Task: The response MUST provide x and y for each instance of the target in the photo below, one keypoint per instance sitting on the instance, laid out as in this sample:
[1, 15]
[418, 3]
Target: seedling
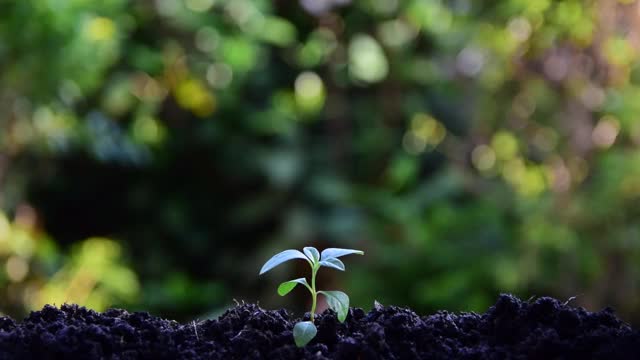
[338, 301]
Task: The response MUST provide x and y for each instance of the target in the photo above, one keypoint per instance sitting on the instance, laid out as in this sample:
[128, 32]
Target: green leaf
[338, 302]
[337, 252]
[280, 258]
[312, 253]
[303, 332]
[287, 286]
[333, 263]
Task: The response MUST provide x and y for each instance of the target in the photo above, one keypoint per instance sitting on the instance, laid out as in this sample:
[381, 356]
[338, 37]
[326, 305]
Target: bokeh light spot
[413, 144]
[168, 7]
[483, 158]
[148, 130]
[199, 5]
[605, 132]
[192, 95]
[309, 91]
[100, 29]
[207, 39]
[367, 61]
[276, 30]
[219, 75]
[505, 145]
[396, 33]
[619, 51]
[556, 67]
[533, 182]
[430, 130]
[514, 170]
[17, 268]
[520, 28]
[470, 61]
[592, 97]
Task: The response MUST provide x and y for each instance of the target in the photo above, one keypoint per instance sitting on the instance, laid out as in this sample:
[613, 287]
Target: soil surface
[511, 329]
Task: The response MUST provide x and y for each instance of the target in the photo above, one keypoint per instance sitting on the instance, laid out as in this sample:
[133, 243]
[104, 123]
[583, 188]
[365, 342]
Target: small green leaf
[336, 253]
[287, 286]
[303, 332]
[338, 302]
[279, 258]
[312, 253]
[333, 263]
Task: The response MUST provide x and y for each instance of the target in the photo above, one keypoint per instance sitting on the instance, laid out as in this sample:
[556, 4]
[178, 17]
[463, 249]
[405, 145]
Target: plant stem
[314, 294]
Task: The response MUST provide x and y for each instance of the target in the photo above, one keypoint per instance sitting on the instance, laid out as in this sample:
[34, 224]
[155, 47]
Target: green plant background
[153, 154]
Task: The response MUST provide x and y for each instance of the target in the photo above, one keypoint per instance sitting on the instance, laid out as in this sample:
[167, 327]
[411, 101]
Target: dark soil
[511, 329]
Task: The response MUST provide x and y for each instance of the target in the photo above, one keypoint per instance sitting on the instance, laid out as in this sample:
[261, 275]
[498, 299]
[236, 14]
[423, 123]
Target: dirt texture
[511, 329]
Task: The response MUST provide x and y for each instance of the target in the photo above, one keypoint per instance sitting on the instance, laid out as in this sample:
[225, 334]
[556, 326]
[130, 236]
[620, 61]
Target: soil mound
[511, 329]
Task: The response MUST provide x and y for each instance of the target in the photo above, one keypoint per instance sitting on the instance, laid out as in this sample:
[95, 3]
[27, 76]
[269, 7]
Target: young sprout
[338, 301]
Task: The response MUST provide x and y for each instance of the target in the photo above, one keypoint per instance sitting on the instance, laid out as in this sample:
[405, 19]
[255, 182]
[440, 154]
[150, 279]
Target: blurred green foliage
[491, 146]
[35, 273]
